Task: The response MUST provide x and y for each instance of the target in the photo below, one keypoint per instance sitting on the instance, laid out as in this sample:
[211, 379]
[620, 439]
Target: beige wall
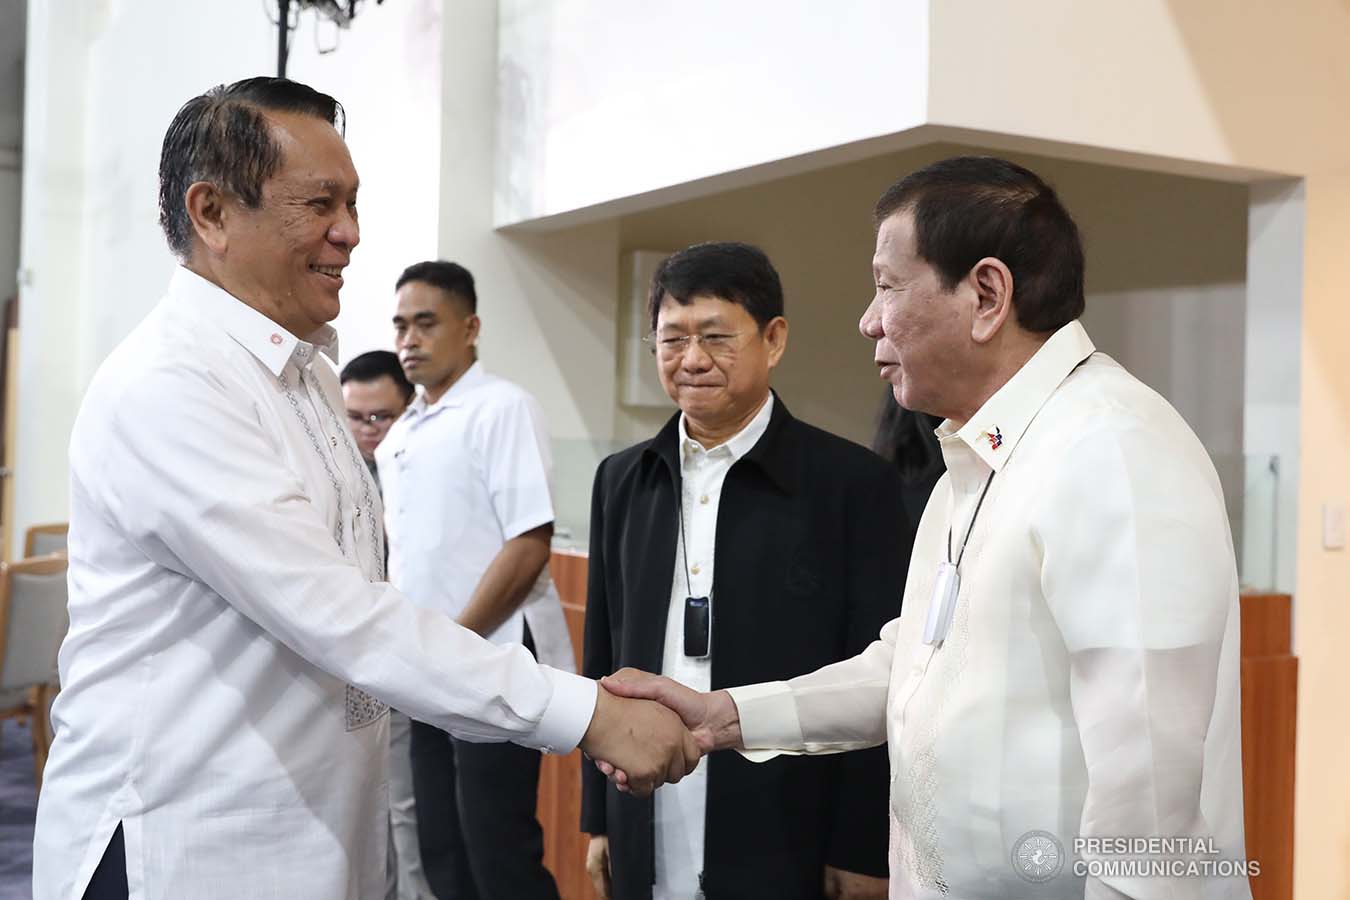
[1322, 828]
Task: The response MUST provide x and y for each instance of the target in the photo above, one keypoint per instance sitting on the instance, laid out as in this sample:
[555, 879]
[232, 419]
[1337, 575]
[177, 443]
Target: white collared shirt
[227, 620]
[462, 476]
[1088, 686]
[680, 813]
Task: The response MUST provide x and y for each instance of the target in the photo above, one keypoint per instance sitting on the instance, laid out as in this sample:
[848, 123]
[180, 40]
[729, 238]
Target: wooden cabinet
[1269, 712]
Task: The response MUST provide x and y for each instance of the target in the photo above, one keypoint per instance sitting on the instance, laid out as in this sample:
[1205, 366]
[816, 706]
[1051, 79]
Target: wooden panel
[1269, 707]
[1266, 622]
[560, 776]
[1269, 716]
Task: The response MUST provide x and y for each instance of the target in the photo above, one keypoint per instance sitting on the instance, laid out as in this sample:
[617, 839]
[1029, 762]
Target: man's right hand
[712, 719]
[597, 865]
[642, 738]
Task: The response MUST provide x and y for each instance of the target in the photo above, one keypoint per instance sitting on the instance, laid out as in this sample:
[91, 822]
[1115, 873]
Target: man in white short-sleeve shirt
[470, 518]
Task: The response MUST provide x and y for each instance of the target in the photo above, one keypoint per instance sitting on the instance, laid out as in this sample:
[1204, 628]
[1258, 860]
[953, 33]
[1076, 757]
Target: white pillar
[1275, 226]
[548, 301]
[50, 259]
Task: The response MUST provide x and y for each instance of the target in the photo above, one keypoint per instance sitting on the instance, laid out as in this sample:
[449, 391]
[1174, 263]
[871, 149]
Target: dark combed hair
[731, 271]
[448, 276]
[223, 137]
[375, 365]
[971, 207]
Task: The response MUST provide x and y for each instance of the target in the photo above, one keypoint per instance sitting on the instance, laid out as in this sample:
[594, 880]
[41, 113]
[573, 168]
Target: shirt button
[358, 513]
[695, 569]
[333, 440]
[703, 499]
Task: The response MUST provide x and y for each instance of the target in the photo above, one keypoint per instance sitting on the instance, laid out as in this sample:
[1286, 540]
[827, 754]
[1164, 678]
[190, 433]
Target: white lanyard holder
[947, 584]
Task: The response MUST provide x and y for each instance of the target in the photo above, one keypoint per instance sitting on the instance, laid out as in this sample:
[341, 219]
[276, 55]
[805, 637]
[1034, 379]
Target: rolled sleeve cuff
[568, 714]
[768, 718]
[526, 522]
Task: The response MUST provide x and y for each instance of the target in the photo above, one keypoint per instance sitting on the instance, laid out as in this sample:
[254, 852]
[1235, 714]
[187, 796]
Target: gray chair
[33, 622]
[44, 540]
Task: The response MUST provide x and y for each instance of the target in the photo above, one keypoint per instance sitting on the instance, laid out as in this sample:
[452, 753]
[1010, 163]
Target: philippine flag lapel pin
[995, 438]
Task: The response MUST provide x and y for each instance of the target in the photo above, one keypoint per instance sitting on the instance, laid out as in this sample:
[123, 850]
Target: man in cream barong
[1063, 678]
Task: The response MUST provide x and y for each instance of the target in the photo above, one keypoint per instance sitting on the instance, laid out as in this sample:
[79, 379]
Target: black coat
[812, 548]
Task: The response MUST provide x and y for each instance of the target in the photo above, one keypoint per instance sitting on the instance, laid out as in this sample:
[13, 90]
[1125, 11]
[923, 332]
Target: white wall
[386, 72]
[606, 99]
[126, 263]
[51, 255]
[547, 301]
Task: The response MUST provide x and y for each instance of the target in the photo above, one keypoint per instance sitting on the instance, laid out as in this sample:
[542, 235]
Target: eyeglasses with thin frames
[717, 345]
[372, 420]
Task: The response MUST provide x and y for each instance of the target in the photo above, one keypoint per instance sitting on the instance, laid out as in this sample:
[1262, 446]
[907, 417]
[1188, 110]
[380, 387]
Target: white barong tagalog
[229, 632]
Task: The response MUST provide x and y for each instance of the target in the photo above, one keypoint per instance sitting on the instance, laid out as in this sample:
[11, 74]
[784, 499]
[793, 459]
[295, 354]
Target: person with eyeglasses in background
[737, 544]
[375, 392]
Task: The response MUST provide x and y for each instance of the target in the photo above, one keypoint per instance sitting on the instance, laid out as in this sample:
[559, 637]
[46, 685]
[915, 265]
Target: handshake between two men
[649, 730]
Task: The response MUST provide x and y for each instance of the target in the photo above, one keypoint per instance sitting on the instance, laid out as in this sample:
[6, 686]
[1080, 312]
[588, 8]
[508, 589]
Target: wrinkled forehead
[701, 313]
[895, 241]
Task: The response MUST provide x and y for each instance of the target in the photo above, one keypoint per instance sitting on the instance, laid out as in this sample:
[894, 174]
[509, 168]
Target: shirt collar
[738, 444]
[999, 424]
[273, 345]
[473, 376]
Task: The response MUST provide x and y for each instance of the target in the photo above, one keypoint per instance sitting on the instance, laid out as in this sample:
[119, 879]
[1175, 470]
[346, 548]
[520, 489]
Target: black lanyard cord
[969, 528]
[684, 546]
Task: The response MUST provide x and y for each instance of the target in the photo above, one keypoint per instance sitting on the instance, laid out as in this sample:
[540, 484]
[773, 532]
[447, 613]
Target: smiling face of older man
[261, 200]
[718, 332]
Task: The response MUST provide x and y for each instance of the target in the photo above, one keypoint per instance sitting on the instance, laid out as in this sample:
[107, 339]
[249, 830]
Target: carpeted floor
[18, 806]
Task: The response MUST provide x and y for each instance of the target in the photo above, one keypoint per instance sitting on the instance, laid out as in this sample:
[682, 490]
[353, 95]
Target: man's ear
[471, 326]
[206, 208]
[992, 283]
[776, 336]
